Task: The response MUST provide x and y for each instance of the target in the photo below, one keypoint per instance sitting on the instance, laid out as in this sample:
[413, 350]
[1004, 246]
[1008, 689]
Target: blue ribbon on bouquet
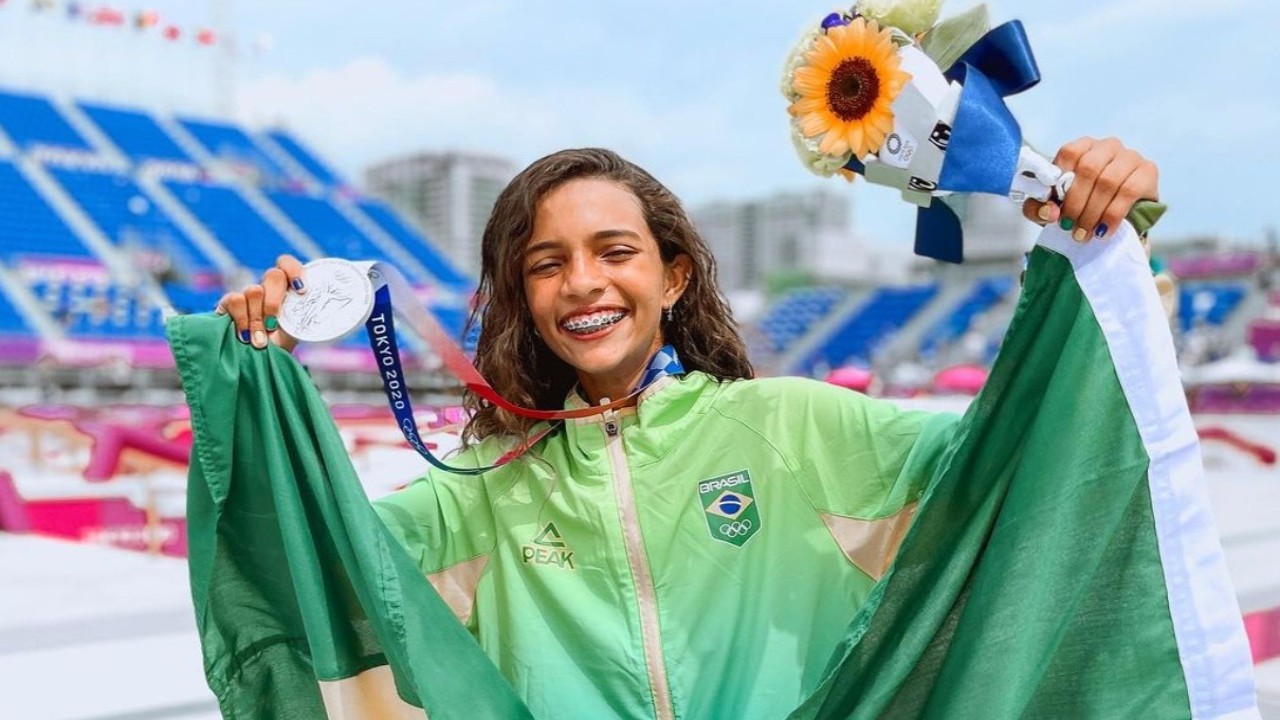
[982, 154]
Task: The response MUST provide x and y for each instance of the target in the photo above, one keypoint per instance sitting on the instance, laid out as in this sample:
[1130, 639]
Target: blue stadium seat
[100, 310]
[231, 143]
[245, 233]
[130, 219]
[1207, 303]
[137, 134]
[11, 323]
[31, 120]
[305, 158]
[187, 299]
[419, 246]
[986, 293]
[330, 229]
[857, 339]
[28, 226]
[792, 315]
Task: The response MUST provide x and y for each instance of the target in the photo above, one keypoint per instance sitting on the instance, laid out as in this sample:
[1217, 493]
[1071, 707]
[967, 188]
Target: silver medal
[338, 300]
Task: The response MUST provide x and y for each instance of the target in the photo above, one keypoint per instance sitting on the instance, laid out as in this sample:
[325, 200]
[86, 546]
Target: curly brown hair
[516, 361]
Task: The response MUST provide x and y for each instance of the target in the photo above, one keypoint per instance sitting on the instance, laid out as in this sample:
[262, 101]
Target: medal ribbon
[393, 295]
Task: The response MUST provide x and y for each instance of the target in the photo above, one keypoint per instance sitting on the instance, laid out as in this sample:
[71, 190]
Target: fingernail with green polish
[271, 323]
[1066, 223]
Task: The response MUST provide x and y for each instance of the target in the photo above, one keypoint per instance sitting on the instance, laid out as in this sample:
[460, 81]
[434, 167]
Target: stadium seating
[858, 337]
[418, 246]
[986, 294]
[82, 297]
[221, 209]
[137, 134]
[28, 226]
[130, 219]
[322, 222]
[11, 323]
[303, 157]
[98, 309]
[31, 121]
[1205, 303]
[229, 142]
[792, 315]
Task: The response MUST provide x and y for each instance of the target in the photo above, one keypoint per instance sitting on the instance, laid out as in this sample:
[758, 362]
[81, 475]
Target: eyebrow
[596, 236]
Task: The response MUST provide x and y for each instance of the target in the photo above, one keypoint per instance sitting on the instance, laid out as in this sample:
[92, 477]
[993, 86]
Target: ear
[678, 273]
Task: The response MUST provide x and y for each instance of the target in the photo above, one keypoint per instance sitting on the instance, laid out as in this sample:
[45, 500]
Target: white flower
[795, 60]
[818, 163]
[909, 16]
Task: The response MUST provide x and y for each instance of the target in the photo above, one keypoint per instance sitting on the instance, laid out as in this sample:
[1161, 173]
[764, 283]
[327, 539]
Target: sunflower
[847, 86]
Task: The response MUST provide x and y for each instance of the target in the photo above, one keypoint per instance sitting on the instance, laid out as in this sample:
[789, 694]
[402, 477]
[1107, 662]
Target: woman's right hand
[254, 309]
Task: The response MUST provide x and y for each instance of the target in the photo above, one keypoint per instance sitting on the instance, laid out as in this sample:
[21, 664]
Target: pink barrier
[1238, 263]
[18, 350]
[84, 353]
[1264, 336]
[338, 359]
[110, 442]
[1228, 399]
[152, 354]
[854, 378]
[13, 513]
[107, 521]
[967, 379]
[1263, 629]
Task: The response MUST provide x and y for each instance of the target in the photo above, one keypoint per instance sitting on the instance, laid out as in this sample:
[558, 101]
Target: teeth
[595, 321]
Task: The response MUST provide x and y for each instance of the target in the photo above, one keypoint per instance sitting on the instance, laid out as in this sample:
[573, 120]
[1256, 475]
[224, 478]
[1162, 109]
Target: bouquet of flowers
[887, 92]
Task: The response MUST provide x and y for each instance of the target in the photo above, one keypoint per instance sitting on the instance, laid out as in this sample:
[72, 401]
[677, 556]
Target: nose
[583, 277]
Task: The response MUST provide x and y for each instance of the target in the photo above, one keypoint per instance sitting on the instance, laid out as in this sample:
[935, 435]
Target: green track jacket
[698, 556]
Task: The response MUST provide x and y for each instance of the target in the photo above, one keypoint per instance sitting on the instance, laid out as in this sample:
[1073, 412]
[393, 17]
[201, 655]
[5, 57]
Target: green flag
[1063, 563]
[306, 606]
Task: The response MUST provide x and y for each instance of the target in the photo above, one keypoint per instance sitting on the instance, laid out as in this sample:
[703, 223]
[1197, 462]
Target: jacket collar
[663, 367]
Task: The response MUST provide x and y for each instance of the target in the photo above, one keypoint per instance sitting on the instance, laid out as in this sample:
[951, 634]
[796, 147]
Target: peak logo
[548, 548]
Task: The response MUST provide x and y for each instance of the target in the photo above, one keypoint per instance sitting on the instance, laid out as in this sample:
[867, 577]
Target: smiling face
[596, 283]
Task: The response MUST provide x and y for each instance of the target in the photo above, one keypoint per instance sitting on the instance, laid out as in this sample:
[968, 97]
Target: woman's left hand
[1110, 178]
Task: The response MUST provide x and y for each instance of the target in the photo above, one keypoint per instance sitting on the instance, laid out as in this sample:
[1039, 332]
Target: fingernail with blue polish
[1066, 223]
[1100, 230]
[297, 284]
[244, 336]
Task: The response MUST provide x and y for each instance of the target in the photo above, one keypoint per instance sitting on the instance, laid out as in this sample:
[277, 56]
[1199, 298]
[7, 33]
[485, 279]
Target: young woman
[700, 552]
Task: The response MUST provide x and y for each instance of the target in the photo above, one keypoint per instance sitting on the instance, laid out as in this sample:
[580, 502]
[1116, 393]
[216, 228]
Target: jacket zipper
[646, 594]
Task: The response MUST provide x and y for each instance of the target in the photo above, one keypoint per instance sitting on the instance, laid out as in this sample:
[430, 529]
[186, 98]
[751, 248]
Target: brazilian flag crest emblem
[729, 505]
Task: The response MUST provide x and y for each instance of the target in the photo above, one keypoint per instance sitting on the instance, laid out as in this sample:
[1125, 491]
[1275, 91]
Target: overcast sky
[689, 89]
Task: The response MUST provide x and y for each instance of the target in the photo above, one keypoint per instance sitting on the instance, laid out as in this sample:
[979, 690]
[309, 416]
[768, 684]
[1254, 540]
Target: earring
[671, 311]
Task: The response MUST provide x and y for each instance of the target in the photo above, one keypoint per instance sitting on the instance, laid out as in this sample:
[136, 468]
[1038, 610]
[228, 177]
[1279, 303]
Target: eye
[619, 253]
[543, 267]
